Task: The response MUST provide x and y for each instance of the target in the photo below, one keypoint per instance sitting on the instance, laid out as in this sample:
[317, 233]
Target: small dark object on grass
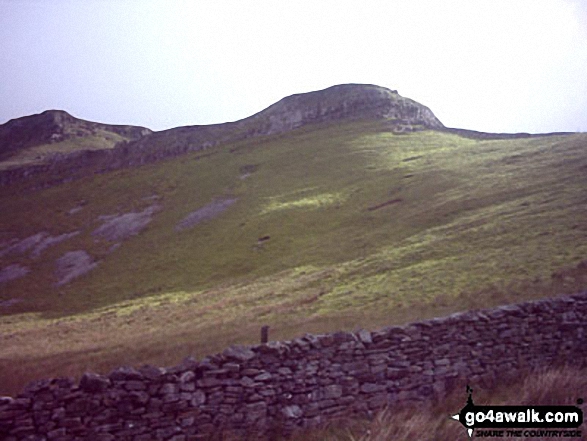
[264, 334]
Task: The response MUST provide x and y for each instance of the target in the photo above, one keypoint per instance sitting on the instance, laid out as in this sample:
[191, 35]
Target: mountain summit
[56, 131]
[346, 101]
[56, 136]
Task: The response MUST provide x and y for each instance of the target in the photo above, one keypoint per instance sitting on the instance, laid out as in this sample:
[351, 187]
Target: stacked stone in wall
[278, 387]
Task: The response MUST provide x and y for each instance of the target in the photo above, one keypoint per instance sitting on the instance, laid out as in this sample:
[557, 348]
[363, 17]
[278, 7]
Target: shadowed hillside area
[334, 223]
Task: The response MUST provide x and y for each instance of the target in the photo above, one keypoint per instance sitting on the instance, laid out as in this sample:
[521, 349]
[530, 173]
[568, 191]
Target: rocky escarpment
[346, 101]
[337, 103]
[55, 126]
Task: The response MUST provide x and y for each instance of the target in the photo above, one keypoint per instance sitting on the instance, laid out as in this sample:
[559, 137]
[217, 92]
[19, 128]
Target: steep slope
[337, 223]
[345, 102]
[340, 103]
[35, 138]
[319, 196]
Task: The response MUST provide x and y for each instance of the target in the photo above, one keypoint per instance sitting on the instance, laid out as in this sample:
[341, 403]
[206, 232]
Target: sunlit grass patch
[278, 203]
[101, 139]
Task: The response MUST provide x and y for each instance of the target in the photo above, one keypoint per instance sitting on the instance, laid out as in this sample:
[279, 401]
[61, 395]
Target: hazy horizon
[493, 66]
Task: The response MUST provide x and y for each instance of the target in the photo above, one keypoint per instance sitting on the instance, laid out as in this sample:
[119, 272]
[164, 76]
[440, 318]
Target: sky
[488, 65]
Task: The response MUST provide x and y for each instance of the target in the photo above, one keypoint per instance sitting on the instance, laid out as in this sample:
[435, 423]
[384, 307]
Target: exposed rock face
[73, 264]
[24, 245]
[12, 272]
[121, 227]
[343, 102]
[338, 103]
[54, 126]
[209, 211]
[37, 243]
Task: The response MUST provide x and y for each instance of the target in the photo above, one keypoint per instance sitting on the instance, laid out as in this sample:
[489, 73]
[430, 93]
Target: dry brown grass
[557, 386]
[163, 329]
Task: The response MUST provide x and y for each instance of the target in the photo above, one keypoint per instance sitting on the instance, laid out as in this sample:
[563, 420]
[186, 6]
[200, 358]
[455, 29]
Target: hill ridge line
[345, 102]
[337, 103]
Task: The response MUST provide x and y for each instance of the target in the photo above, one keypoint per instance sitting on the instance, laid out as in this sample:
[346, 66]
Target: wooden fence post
[265, 334]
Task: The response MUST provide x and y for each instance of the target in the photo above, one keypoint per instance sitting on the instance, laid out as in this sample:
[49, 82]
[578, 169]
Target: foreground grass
[557, 386]
[163, 329]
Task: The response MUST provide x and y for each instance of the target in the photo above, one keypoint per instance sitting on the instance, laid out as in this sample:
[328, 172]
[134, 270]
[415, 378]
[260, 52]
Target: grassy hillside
[42, 153]
[36, 139]
[333, 226]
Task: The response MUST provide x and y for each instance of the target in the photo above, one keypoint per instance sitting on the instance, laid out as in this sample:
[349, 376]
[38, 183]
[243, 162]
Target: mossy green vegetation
[334, 226]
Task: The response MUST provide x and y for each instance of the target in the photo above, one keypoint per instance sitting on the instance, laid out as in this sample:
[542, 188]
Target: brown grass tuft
[556, 386]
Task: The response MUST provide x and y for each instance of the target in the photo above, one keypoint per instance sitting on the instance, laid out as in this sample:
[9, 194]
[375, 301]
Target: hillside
[82, 152]
[36, 139]
[351, 213]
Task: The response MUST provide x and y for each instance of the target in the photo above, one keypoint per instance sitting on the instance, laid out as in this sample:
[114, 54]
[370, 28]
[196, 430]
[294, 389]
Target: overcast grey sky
[491, 65]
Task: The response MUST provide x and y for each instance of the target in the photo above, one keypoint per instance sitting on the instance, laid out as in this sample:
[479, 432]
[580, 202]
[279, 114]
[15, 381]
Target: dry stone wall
[279, 387]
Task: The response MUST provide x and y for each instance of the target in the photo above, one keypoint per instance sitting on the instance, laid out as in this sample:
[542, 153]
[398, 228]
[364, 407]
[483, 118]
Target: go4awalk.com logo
[518, 421]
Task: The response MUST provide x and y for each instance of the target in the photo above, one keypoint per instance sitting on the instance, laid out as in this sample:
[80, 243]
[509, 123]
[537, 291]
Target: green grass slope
[333, 226]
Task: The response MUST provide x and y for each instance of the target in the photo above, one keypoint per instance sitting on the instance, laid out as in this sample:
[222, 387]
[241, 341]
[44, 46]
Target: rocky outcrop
[342, 102]
[72, 265]
[55, 126]
[337, 103]
[121, 227]
[34, 244]
[12, 272]
[278, 387]
[52, 126]
[207, 212]
[141, 146]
